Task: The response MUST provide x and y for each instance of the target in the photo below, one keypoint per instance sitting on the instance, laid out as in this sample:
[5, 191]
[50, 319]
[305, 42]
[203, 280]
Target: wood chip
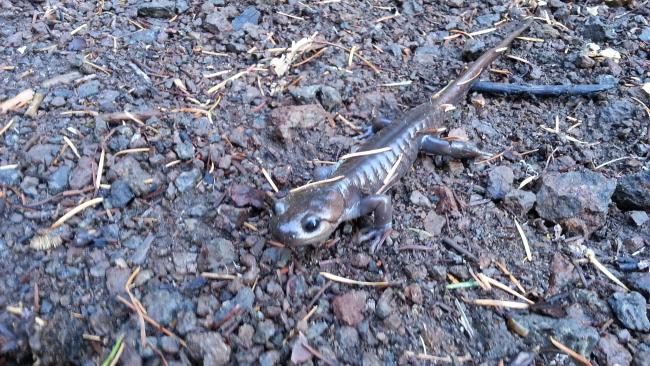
[20, 100]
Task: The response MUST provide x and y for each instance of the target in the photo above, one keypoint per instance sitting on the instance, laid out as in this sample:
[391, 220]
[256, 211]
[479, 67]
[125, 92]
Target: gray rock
[630, 310]
[640, 281]
[330, 98]
[130, 171]
[245, 298]
[121, 194]
[250, 15]
[347, 336]
[500, 180]
[209, 348]
[162, 8]
[106, 100]
[184, 150]
[116, 279]
[570, 332]
[264, 331]
[610, 352]
[617, 111]
[186, 322]
[519, 201]
[384, 305]
[216, 23]
[596, 30]
[28, 185]
[139, 256]
[89, 88]
[642, 355]
[11, 177]
[645, 35]
[42, 153]
[187, 180]
[270, 358]
[433, 223]
[170, 344]
[82, 174]
[216, 255]
[427, 55]
[633, 191]
[349, 307]
[419, 199]
[162, 305]
[584, 196]
[473, 49]
[639, 217]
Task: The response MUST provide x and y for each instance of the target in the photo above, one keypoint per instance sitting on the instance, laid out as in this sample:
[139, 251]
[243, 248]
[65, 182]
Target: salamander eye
[310, 223]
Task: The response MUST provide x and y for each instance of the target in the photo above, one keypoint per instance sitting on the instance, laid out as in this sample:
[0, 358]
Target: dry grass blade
[503, 287]
[21, 99]
[647, 110]
[438, 359]
[132, 151]
[365, 153]
[290, 16]
[393, 169]
[335, 278]
[520, 59]
[324, 181]
[573, 354]
[76, 210]
[524, 239]
[353, 50]
[613, 161]
[78, 29]
[72, 146]
[501, 303]
[100, 170]
[512, 278]
[139, 308]
[398, 83]
[222, 84]
[268, 178]
[218, 276]
[527, 181]
[149, 320]
[530, 39]
[7, 126]
[482, 31]
[589, 254]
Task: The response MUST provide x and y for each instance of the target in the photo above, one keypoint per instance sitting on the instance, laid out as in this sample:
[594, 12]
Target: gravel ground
[163, 120]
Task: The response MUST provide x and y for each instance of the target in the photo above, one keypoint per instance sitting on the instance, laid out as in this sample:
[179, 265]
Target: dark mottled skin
[310, 215]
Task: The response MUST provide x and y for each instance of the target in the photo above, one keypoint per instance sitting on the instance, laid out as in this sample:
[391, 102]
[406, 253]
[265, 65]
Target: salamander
[357, 184]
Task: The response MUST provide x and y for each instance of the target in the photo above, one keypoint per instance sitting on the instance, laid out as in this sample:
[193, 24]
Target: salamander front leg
[455, 149]
[377, 124]
[382, 208]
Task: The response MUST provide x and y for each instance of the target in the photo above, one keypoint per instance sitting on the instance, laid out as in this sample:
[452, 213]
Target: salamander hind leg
[455, 149]
[381, 207]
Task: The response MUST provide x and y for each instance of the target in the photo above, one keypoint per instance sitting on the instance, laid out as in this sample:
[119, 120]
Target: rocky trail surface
[143, 143]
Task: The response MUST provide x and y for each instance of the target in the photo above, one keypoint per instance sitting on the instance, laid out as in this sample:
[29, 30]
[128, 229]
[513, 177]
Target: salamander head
[307, 217]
